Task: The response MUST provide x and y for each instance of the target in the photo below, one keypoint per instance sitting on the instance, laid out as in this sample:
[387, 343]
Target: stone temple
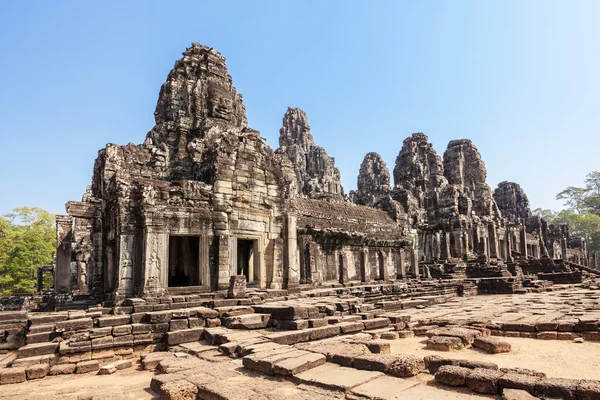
[223, 269]
[204, 199]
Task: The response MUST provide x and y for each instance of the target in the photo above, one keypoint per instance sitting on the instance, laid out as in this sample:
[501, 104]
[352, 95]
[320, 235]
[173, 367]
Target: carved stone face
[220, 103]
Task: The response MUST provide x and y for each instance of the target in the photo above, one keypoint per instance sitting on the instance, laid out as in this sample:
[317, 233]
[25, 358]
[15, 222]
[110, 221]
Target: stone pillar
[64, 236]
[594, 260]
[563, 248]
[523, 239]
[508, 240]
[414, 262]
[445, 245]
[364, 254]
[291, 254]
[493, 235]
[125, 266]
[224, 264]
[401, 270]
[437, 246]
[465, 243]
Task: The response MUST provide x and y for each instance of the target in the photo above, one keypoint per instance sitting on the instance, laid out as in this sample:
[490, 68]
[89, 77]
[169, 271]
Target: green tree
[547, 214]
[27, 241]
[574, 198]
[586, 225]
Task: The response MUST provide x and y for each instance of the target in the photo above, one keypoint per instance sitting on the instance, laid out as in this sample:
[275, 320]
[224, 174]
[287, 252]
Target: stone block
[84, 367]
[184, 336]
[406, 365]
[108, 369]
[482, 380]
[378, 346]
[121, 330]
[47, 318]
[492, 345]
[101, 332]
[350, 327]
[114, 321]
[556, 388]
[451, 375]
[293, 366]
[123, 341]
[178, 390]
[588, 390]
[158, 317]
[38, 349]
[376, 323]
[545, 326]
[292, 325]
[102, 354]
[37, 371]
[196, 322]
[29, 361]
[178, 324]
[105, 342]
[373, 362]
[547, 335]
[62, 369]
[143, 338]
[123, 364]
[291, 337]
[74, 325]
[212, 322]
[434, 362]
[203, 312]
[518, 381]
[140, 328]
[324, 332]
[593, 336]
[516, 394]
[35, 338]
[444, 343]
[12, 375]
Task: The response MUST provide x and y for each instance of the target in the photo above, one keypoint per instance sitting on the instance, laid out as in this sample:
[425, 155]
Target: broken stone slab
[247, 321]
[323, 332]
[184, 336]
[234, 311]
[444, 343]
[374, 362]
[334, 377]
[466, 335]
[384, 388]
[39, 349]
[37, 371]
[293, 366]
[452, 375]
[492, 345]
[376, 323]
[74, 325]
[265, 362]
[123, 364]
[350, 327]
[406, 365]
[62, 369]
[84, 367]
[113, 321]
[517, 394]
[291, 337]
[588, 389]
[108, 369]
[12, 375]
[482, 380]
[178, 389]
[556, 388]
[150, 361]
[513, 380]
[29, 361]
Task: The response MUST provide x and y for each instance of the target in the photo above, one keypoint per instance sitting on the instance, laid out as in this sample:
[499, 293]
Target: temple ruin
[204, 198]
[211, 259]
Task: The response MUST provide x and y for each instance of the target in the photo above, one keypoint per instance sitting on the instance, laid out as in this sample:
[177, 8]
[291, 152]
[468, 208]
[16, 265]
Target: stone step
[246, 321]
[38, 349]
[332, 376]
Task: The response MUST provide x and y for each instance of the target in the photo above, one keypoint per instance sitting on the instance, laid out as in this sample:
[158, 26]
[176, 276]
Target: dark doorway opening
[381, 266]
[245, 258]
[341, 267]
[184, 267]
[363, 268]
[305, 267]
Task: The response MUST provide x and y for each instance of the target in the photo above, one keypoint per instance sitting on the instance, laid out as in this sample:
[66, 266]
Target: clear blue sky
[519, 78]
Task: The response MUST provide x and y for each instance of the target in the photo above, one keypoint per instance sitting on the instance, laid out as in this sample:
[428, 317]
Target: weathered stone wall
[316, 173]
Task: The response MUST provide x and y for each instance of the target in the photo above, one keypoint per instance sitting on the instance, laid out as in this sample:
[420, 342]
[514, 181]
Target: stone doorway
[247, 259]
[381, 264]
[184, 261]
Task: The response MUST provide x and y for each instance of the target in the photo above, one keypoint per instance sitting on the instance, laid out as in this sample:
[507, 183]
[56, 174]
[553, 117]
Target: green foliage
[582, 212]
[27, 241]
